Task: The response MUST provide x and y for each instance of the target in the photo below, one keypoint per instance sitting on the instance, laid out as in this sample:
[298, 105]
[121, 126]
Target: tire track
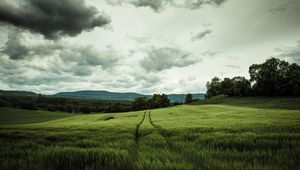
[162, 133]
[137, 134]
[134, 149]
[186, 155]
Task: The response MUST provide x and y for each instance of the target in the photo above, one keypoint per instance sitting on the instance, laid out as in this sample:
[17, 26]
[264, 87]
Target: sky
[144, 46]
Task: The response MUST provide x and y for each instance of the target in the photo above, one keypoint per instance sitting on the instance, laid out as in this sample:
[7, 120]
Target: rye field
[215, 134]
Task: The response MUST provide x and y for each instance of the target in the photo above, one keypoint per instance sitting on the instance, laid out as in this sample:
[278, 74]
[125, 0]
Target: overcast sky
[145, 46]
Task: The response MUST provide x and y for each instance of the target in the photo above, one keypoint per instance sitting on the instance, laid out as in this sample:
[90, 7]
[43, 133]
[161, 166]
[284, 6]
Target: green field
[221, 133]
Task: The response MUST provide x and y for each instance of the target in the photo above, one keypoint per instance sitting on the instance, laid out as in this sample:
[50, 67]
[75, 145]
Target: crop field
[217, 134]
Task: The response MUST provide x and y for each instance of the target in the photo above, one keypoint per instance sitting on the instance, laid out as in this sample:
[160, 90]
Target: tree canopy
[274, 77]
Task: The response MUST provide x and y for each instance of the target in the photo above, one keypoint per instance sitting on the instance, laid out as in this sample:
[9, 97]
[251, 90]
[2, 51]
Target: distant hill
[181, 97]
[16, 93]
[106, 95]
[101, 95]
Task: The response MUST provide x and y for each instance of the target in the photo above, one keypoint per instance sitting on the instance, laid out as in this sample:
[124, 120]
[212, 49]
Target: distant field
[234, 133]
[18, 116]
[291, 103]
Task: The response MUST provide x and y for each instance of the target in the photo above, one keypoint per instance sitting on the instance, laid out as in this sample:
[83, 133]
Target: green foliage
[84, 109]
[237, 86]
[141, 103]
[159, 101]
[28, 105]
[274, 77]
[63, 104]
[189, 98]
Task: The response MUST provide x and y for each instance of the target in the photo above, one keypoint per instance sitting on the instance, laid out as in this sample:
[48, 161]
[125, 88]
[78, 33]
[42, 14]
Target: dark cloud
[201, 35]
[14, 48]
[196, 4]
[292, 53]
[70, 54]
[17, 48]
[159, 59]
[158, 5]
[52, 18]
[90, 56]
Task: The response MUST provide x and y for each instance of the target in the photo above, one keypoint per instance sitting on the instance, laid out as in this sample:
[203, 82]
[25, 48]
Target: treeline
[274, 77]
[157, 101]
[75, 105]
[71, 105]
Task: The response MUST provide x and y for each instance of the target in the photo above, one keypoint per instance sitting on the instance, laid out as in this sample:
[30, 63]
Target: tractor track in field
[137, 134]
[134, 149]
[162, 132]
[172, 145]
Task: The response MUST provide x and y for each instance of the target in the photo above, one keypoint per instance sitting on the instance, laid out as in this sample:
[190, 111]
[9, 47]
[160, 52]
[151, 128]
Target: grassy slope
[18, 116]
[290, 103]
[231, 134]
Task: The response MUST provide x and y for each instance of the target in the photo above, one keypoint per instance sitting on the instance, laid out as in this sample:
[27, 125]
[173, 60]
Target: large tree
[270, 77]
[189, 98]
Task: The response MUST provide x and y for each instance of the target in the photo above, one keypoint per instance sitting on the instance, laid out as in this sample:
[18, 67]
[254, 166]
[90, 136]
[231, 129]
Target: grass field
[235, 133]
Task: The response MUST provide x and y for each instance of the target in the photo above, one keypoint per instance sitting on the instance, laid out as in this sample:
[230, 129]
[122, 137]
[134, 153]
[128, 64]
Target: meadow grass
[208, 136]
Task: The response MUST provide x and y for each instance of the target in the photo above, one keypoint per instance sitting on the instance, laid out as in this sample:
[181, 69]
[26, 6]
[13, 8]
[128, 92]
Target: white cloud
[121, 58]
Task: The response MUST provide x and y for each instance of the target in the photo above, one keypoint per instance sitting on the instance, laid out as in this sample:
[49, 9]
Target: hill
[290, 103]
[101, 95]
[106, 95]
[225, 134]
[16, 93]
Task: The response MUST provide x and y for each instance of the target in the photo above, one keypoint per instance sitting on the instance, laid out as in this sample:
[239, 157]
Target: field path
[183, 151]
[162, 132]
[134, 149]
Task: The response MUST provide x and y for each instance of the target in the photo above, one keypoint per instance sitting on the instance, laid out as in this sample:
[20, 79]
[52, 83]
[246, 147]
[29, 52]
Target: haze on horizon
[144, 46]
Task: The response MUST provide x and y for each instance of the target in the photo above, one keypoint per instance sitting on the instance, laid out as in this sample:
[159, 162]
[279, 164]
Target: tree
[165, 100]
[213, 87]
[237, 86]
[140, 103]
[84, 109]
[69, 108]
[227, 87]
[189, 98]
[28, 105]
[269, 78]
[241, 86]
[293, 80]
[159, 101]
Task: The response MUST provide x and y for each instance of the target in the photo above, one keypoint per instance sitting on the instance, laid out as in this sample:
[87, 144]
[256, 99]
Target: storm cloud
[147, 47]
[52, 18]
[74, 55]
[201, 35]
[14, 48]
[158, 5]
[159, 59]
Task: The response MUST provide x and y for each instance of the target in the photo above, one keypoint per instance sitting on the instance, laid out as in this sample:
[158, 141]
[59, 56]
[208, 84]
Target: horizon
[102, 91]
[140, 46]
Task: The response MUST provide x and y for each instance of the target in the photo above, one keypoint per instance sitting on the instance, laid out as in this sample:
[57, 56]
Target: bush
[84, 109]
[28, 106]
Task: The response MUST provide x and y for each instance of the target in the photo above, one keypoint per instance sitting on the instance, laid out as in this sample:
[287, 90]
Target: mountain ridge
[102, 95]
[108, 95]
